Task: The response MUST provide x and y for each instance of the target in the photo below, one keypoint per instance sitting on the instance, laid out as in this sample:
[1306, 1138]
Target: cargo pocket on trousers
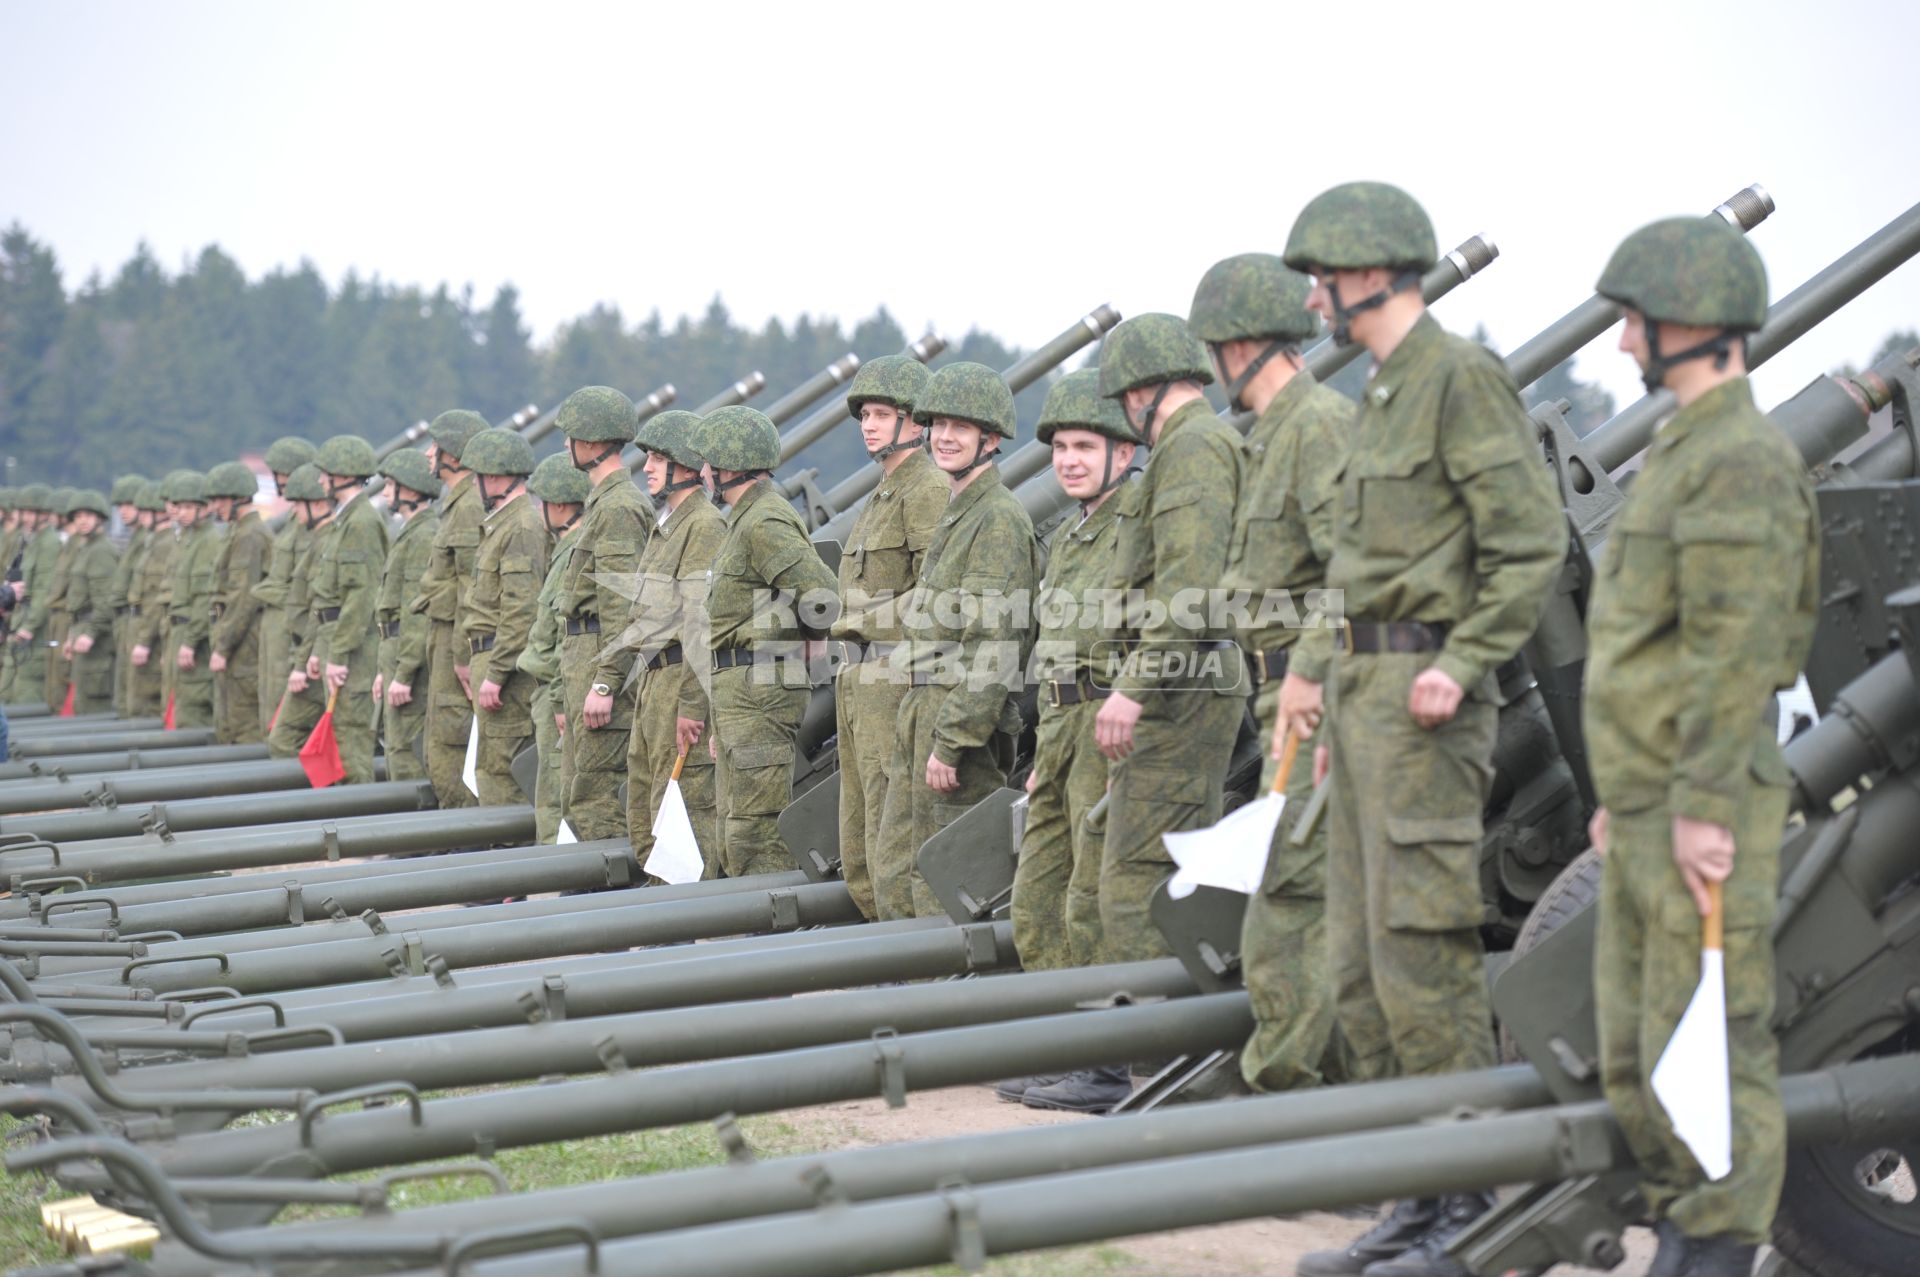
[1433, 883]
[1160, 788]
[760, 779]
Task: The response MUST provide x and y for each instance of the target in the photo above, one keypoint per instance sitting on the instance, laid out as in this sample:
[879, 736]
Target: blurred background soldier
[443, 593]
[562, 492]
[235, 637]
[190, 603]
[412, 488]
[88, 645]
[125, 499]
[302, 699]
[514, 549]
[347, 561]
[284, 456]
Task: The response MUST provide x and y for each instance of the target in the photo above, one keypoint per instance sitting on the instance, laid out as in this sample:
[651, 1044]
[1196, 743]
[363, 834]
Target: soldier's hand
[399, 693]
[1301, 705]
[217, 663]
[712, 752]
[336, 676]
[687, 733]
[139, 654]
[184, 657]
[313, 667]
[597, 711]
[489, 695]
[1704, 853]
[297, 682]
[23, 635]
[560, 724]
[1033, 778]
[465, 674]
[66, 650]
[941, 779]
[1597, 831]
[1322, 764]
[379, 685]
[1434, 698]
[1113, 726]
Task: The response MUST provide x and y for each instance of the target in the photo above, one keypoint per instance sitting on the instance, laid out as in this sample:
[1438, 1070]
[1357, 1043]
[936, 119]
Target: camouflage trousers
[92, 676]
[1173, 780]
[449, 721]
[756, 723]
[146, 684]
[274, 664]
[55, 672]
[353, 719]
[120, 646]
[1283, 940]
[1056, 884]
[596, 757]
[237, 695]
[915, 813]
[1646, 965]
[650, 754]
[504, 732]
[192, 688]
[400, 733]
[299, 711]
[549, 786]
[1403, 873]
[866, 708]
[9, 669]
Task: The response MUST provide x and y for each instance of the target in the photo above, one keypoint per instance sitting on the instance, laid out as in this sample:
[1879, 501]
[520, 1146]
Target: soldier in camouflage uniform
[11, 537]
[878, 565]
[672, 715]
[343, 650]
[562, 492]
[52, 622]
[514, 548]
[235, 637]
[41, 544]
[190, 604]
[770, 594]
[125, 499]
[1447, 537]
[284, 456]
[88, 645]
[1703, 607]
[595, 670]
[1056, 885]
[443, 593]
[139, 686]
[967, 636]
[1251, 312]
[151, 682]
[404, 633]
[303, 699]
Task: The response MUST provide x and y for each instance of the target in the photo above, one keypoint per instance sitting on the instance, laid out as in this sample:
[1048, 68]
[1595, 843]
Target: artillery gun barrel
[1622, 438]
[115, 788]
[795, 401]
[218, 813]
[22, 712]
[42, 746]
[411, 435]
[47, 722]
[656, 400]
[129, 760]
[823, 420]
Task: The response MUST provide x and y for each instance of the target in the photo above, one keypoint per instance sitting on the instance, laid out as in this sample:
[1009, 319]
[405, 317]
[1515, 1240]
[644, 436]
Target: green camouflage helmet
[148, 497]
[676, 434]
[557, 479]
[232, 479]
[1252, 297]
[89, 499]
[597, 414]
[1075, 403]
[36, 497]
[125, 488]
[899, 380]
[1360, 225]
[1151, 350]
[188, 487]
[303, 484]
[969, 392]
[9, 499]
[738, 438]
[347, 457]
[410, 468]
[453, 429]
[498, 451]
[288, 453]
[62, 500]
[1697, 271]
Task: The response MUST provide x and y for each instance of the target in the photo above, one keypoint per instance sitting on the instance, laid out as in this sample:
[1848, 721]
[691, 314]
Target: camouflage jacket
[90, 577]
[1283, 526]
[36, 572]
[614, 528]
[514, 550]
[242, 563]
[1446, 511]
[449, 574]
[1075, 620]
[272, 588]
[348, 557]
[1172, 553]
[402, 654]
[765, 552]
[59, 577]
[885, 549]
[967, 624]
[541, 656]
[667, 607]
[298, 607]
[190, 595]
[122, 585]
[152, 589]
[1704, 604]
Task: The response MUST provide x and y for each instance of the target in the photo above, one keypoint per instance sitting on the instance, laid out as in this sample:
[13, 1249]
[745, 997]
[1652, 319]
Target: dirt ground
[1263, 1246]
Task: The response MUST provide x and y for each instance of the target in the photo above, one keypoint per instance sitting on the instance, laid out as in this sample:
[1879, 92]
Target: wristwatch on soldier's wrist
[601, 689]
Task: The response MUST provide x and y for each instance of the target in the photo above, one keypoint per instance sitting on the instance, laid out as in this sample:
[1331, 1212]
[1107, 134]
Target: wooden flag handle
[680, 760]
[332, 696]
[1712, 925]
[1287, 753]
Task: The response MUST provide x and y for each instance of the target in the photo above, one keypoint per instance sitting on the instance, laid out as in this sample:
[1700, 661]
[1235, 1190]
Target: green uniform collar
[1411, 354]
[755, 493]
[1192, 410]
[607, 485]
[679, 514]
[1291, 396]
[1735, 395]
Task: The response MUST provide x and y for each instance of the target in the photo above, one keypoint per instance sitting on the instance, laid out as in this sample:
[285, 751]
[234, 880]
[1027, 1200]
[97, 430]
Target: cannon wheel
[1576, 887]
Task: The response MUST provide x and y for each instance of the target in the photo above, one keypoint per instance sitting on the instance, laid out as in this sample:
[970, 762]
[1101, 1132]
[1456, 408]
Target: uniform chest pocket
[1261, 523]
[1639, 565]
[882, 561]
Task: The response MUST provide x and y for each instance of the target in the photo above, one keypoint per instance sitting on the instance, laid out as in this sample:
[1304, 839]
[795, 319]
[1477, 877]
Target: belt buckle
[1344, 644]
[1053, 694]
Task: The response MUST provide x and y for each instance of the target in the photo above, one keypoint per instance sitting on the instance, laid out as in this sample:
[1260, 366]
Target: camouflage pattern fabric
[22, 658]
[245, 554]
[1704, 604]
[1150, 350]
[1689, 270]
[969, 659]
[90, 580]
[1359, 225]
[499, 611]
[299, 711]
[349, 555]
[404, 654]
[117, 597]
[878, 565]
[270, 591]
[190, 622]
[148, 595]
[541, 659]
[52, 631]
[443, 586]
[614, 526]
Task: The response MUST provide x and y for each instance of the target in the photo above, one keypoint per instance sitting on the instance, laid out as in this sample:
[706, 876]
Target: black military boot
[1088, 1091]
[1015, 1089]
[1719, 1257]
[1402, 1226]
[1428, 1257]
[1671, 1259]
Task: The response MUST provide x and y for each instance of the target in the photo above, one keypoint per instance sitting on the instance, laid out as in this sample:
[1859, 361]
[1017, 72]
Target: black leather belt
[854, 653]
[218, 610]
[1392, 636]
[583, 625]
[1269, 665]
[125, 609]
[671, 654]
[929, 678]
[1081, 689]
[389, 629]
[732, 656]
[328, 614]
[484, 643]
[177, 618]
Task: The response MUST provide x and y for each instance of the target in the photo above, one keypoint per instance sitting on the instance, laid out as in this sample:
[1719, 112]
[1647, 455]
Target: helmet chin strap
[980, 455]
[740, 479]
[1108, 479]
[1343, 314]
[1720, 346]
[606, 450]
[1238, 386]
[670, 487]
[886, 450]
[1145, 422]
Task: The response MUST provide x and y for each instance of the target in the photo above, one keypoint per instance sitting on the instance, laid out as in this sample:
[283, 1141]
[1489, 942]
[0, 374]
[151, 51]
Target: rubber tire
[1576, 888]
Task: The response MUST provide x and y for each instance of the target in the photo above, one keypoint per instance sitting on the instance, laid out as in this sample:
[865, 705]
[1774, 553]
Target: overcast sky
[1009, 166]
